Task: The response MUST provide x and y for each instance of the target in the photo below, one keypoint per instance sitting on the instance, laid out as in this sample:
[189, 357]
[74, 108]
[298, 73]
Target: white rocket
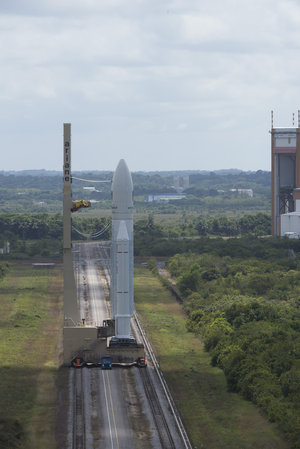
[122, 251]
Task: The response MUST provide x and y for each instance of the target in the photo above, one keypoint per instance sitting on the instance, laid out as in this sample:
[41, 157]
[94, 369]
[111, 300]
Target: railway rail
[163, 430]
[78, 412]
[171, 404]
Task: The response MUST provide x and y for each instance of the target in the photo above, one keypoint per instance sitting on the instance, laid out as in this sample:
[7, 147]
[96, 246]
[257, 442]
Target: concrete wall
[290, 223]
[287, 170]
[285, 137]
[82, 339]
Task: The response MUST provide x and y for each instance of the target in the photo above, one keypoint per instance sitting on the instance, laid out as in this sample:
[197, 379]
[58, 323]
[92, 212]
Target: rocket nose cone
[122, 176]
[122, 186]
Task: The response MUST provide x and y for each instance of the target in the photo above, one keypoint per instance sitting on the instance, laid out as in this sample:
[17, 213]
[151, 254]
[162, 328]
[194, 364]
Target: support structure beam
[71, 311]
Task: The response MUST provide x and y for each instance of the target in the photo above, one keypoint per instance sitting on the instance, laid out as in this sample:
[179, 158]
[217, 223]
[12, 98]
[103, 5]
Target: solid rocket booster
[122, 250]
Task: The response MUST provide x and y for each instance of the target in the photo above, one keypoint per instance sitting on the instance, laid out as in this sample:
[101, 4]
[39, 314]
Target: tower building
[285, 148]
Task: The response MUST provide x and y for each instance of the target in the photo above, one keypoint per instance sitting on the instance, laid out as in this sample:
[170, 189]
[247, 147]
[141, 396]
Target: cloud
[182, 126]
[131, 70]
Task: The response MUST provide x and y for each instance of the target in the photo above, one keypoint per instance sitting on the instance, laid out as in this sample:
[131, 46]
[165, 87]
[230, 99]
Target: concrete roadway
[90, 286]
[108, 414]
[117, 412]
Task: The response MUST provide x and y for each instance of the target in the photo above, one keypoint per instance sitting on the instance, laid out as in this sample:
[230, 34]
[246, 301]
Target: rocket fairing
[122, 250]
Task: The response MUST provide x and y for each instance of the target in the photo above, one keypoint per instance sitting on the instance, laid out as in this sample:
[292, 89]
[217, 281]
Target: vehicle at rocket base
[122, 307]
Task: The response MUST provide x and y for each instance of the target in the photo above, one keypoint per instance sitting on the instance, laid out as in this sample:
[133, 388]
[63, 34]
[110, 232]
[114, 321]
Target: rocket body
[122, 307]
[123, 303]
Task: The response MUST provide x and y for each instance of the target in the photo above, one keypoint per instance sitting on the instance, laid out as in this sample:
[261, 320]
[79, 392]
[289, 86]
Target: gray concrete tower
[71, 311]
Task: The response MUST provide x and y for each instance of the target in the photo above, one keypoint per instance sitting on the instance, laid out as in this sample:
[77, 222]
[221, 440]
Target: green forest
[206, 192]
[41, 234]
[243, 299]
[34, 234]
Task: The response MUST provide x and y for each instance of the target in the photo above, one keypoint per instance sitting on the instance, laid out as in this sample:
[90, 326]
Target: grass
[213, 417]
[30, 320]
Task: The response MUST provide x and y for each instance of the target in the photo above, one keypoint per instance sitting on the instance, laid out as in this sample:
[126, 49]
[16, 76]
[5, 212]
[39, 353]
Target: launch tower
[85, 343]
[71, 311]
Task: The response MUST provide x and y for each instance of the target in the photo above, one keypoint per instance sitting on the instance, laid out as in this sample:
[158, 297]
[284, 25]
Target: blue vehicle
[106, 363]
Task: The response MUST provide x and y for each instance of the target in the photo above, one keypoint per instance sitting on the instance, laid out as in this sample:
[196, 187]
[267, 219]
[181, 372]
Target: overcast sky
[167, 85]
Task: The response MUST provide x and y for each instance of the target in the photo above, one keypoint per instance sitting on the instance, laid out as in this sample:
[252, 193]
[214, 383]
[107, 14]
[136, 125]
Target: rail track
[79, 439]
[150, 354]
[163, 430]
